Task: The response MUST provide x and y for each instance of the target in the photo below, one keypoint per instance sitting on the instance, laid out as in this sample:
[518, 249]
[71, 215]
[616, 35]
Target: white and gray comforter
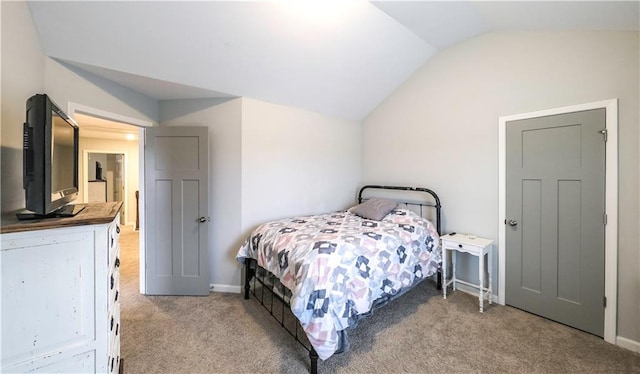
[337, 265]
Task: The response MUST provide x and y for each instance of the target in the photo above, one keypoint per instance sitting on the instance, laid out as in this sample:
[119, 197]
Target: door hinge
[604, 301]
[604, 134]
[604, 218]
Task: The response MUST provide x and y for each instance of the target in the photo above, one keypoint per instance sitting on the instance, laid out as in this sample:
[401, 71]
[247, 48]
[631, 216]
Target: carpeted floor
[418, 333]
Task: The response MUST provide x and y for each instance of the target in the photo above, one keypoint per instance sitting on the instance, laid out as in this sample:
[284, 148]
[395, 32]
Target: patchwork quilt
[337, 265]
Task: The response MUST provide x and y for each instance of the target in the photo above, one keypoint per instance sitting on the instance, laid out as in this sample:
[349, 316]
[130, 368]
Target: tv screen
[62, 156]
[50, 152]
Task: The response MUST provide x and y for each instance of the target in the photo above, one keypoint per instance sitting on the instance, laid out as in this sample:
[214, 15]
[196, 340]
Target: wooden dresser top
[92, 214]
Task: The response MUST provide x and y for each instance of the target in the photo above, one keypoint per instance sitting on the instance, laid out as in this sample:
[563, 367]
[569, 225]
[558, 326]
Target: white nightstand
[475, 246]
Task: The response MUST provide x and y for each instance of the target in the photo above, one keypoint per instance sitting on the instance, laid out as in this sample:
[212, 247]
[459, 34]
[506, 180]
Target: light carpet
[418, 333]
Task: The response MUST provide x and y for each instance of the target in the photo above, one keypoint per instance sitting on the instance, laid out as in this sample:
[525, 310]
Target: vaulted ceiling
[340, 58]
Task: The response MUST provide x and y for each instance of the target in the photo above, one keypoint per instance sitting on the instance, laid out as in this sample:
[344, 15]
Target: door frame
[611, 203]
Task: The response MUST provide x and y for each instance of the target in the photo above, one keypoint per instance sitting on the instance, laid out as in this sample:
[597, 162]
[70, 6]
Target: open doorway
[109, 170]
[134, 165]
[109, 164]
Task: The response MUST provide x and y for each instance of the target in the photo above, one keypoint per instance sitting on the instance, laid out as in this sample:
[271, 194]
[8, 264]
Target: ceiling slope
[340, 58]
[342, 61]
[443, 23]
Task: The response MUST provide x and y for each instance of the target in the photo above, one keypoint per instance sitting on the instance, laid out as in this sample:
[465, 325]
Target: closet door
[555, 218]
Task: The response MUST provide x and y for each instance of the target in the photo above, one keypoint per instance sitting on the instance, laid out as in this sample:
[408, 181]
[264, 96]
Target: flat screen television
[50, 160]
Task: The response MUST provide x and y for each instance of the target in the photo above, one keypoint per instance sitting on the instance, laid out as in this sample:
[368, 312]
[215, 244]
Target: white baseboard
[471, 291]
[225, 288]
[628, 344]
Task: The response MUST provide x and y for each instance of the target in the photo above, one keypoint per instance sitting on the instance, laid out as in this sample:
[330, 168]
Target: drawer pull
[117, 328]
[112, 281]
[111, 324]
[116, 299]
[460, 245]
[117, 262]
[118, 229]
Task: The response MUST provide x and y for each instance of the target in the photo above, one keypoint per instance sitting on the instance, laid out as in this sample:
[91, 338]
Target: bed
[330, 270]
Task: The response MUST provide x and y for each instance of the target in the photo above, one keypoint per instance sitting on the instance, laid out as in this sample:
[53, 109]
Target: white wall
[296, 162]
[223, 118]
[132, 163]
[440, 129]
[22, 77]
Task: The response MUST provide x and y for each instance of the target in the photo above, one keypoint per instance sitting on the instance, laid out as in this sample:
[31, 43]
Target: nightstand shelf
[474, 246]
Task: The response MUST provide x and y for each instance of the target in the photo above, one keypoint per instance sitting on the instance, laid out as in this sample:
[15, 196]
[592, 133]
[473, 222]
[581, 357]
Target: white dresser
[60, 293]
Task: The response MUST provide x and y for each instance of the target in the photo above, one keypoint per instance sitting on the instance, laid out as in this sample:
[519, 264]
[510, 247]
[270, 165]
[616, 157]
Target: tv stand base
[66, 211]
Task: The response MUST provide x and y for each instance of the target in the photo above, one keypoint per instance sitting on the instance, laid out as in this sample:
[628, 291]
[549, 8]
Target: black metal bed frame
[269, 283]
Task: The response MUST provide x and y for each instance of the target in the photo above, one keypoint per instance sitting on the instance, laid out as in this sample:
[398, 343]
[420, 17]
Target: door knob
[204, 219]
[512, 222]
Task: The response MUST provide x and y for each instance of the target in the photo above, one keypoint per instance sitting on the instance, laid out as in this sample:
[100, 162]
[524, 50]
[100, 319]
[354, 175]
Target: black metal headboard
[435, 204]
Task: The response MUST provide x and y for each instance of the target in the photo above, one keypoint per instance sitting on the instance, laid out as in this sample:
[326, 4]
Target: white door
[176, 203]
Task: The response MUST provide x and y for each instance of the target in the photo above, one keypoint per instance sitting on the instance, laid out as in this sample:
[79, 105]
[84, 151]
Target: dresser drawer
[114, 358]
[114, 323]
[462, 247]
[115, 331]
[114, 291]
[114, 259]
[113, 238]
[466, 243]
